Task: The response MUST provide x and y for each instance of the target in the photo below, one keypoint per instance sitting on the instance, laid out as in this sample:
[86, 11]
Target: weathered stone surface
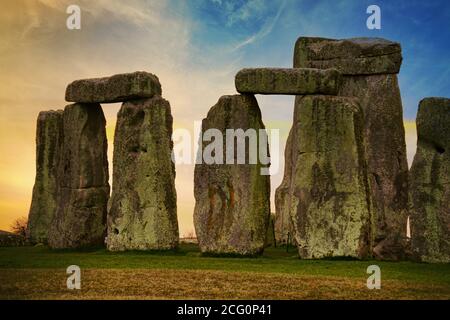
[80, 218]
[288, 81]
[356, 56]
[48, 147]
[143, 212]
[430, 183]
[283, 224]
[379, 97]
[330, 203]
[387, 161]
[270, 236]
[232, 206]
[117, 88]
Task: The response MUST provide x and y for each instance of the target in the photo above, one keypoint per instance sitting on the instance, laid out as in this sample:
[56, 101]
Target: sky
[195, 47]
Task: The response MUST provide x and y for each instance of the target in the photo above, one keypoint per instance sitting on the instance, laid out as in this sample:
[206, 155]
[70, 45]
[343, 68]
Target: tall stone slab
[430, 183]
[232, 208]
[284, 232]
[270, 236]
[48, 147]
[369, 67]
[143, 211]
[80, 218]
[329, 194]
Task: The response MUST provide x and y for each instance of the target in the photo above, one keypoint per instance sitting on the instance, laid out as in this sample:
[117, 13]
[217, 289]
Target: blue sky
[262, 33]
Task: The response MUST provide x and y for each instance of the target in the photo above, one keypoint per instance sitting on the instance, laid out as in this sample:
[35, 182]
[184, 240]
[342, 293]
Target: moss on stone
[143, 211]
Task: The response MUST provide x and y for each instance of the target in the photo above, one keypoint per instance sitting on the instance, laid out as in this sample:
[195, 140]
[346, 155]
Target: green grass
[188, 257]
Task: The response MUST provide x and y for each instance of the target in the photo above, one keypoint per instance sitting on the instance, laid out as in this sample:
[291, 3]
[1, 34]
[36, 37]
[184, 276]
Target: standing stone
[270, 236]
[430, 183]
[288, 81]
[369, 67]
[80, 218]
[143, 212]
[48, 148]
[117, 88]
[283, 224]
[330, 199]
[232, 207]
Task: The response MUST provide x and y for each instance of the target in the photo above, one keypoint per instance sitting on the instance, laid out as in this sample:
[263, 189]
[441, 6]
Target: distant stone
[354, 56]
[330, 201]
[143, 212]
[430, 183]
[284, 231]
[80, 218]
[378, 92]
[270, 237]
[117, 88]
[288, 81]
[49, 136]
[8, 239]
[232, 207]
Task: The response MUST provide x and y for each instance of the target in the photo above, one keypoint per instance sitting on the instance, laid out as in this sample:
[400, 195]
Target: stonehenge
[143, 210]
[346, 188]
[430, 183]
[330, 204]
[71, 206]
[232, 202]
[48, 148]
[83, 187]
[369, 67]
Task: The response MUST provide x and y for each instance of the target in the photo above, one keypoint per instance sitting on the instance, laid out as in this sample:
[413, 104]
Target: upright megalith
[330, 203]
[430, 183]
[143, 210]
[232, 207]
[284, 231]
[83, 188]
[117, 88]
[48, 147]
[288, 81]
[369, 67]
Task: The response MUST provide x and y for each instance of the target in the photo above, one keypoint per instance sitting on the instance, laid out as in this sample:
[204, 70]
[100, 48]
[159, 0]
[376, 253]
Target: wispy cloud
[264, 31]
[250, 9]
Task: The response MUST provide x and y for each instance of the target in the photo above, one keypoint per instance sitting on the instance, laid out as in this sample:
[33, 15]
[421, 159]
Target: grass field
[40, 273]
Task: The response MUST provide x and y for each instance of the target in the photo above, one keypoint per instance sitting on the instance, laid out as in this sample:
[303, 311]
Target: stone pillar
[143, 211]
[329, 197]
[232, 208]
[369, 67]
[48, 147]
[270, 236]
[80, 218]
[284, 231]
[430, 183]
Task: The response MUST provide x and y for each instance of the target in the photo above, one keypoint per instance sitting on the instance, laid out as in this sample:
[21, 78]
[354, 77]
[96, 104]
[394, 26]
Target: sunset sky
[195, 47]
